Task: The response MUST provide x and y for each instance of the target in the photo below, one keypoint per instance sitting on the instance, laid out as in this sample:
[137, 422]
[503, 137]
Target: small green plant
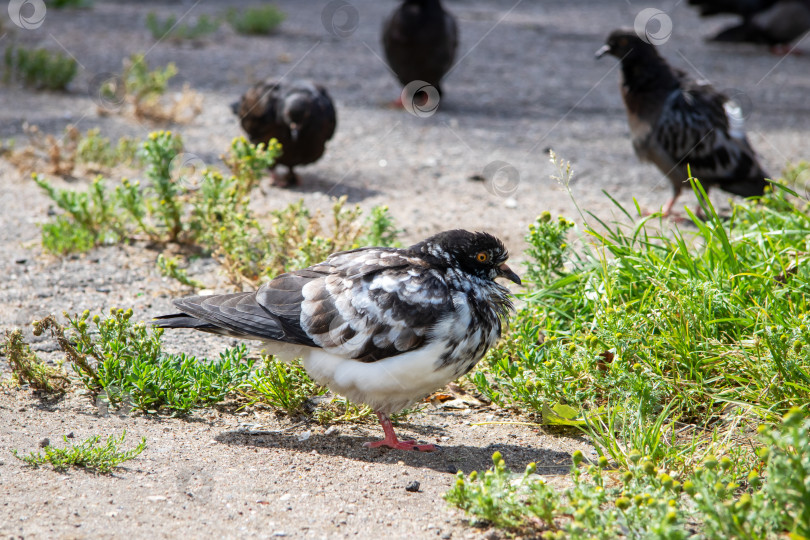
[211, 213]
[72, 4]
[38, 68]
[143, 91]
[89, 455]
[644, 501]
[27, 368]
[261, 20]
[73, 154]
[124, 363]
[101, 154]
[283, 385]
[249, 162]
[170, 267]
[170, 28]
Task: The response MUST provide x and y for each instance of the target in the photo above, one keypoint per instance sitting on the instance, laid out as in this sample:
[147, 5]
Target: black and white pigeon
[677, 122]
[420, 40]
[381, 326]
[776, 23]
[300, 115]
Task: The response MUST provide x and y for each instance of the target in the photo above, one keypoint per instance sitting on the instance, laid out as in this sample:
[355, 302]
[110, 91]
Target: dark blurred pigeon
[776, 23]
[381, 326]
[420, 40]
[300, 115]
[677, 122]
[744, 8]
[777, 26]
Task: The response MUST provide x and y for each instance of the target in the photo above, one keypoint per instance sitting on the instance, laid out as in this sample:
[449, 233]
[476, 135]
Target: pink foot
[391, 440]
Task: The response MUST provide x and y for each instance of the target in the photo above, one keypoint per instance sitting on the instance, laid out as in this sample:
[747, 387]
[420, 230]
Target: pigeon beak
[505, 271]
[235, 107]
[605, 49]
[294, 132]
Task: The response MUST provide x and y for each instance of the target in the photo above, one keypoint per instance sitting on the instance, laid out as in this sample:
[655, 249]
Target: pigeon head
[476, 253]
[296, 112]
[626, 45]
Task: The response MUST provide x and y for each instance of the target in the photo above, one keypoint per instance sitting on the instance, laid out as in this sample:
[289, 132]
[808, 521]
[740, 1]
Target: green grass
[124, 363]
[73, 4]
[771, 500]
[88, 455]
[40, 69]
[672, 345]
[261, 20]
[283, 386]
[169, 28]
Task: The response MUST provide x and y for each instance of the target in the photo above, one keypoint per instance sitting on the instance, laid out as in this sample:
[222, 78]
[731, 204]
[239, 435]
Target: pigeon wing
[366, 304]
[374, 304]
[702, 128]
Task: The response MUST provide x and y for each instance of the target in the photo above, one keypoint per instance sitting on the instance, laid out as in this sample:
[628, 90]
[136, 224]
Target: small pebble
[44, 442]
[413, 487]
[333, 430]
[510, 202]
[70, 435]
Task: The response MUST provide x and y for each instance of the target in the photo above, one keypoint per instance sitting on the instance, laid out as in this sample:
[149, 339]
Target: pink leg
[391, 440]
[668, 206]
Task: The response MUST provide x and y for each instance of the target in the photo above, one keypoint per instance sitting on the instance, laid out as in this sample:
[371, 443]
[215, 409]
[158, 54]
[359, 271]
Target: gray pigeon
[677, 122]
[381, 326]
[300, 115]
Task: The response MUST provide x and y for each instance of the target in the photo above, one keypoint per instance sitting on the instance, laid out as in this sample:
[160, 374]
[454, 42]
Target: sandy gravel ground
[526, 81]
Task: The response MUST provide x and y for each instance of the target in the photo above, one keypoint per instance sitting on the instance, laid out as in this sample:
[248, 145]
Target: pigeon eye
[482, 257]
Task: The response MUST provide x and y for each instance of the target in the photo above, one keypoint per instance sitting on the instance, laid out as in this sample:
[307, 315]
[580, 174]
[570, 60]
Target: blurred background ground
[526, 81]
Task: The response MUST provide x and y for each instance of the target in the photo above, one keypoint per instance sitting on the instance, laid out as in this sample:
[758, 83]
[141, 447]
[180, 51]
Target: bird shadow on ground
[448, 459]
[311, 183]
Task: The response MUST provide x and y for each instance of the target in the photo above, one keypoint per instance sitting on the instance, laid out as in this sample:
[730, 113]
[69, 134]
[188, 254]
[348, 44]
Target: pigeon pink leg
[391, 440]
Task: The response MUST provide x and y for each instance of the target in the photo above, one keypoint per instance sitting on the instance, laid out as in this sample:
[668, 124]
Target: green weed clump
[169, 28]
[27, 368]
[40, 69]
[261, 20]
[124, 364]
[73, 4]
[710, 326]
[140, 91]
[284, 386]
[73, 154]
[715, 500]
[204, 209]
[88, 455]
[668, 344]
